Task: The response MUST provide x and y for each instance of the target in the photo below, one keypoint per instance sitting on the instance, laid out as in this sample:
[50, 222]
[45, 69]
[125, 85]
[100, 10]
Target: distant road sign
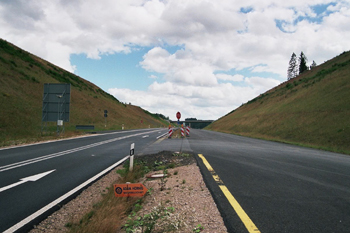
[178, 115]
[130, 190]
[56, 102]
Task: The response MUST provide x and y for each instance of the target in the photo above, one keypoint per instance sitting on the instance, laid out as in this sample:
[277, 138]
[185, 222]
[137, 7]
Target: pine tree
[293, 67]
[302, 63]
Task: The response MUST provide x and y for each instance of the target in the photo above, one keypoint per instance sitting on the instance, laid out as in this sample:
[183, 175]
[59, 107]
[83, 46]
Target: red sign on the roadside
[178, 115]
[130, 190]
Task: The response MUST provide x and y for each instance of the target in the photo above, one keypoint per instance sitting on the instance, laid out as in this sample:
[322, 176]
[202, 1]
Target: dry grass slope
[312, 109]
[22, 78]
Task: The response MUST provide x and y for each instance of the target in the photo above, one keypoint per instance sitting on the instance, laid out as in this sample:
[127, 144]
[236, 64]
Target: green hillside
[22, 78]
[312, 109]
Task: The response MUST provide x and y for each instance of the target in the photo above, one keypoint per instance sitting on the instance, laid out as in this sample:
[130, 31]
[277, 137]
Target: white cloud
[153, 76]
[215, 37]
[180, 67]
[195, 101]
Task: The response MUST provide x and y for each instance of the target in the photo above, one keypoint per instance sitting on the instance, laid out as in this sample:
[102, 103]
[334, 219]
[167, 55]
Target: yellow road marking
[159, 140]
[248, 223]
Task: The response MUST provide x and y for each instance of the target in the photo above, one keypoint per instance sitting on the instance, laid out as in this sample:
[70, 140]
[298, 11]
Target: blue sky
[202, 58]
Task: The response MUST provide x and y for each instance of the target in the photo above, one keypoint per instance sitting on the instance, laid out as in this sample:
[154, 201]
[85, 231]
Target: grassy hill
[22, 78]
[312, 109]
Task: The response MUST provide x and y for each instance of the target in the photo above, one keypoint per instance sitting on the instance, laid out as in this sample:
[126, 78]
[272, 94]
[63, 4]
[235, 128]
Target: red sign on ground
[130, 190]
[178, 115]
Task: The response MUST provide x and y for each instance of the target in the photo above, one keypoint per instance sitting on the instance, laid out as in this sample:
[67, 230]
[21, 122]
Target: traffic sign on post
[178, 115]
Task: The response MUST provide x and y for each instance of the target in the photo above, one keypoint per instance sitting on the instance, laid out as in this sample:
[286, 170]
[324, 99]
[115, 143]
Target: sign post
[105, 115]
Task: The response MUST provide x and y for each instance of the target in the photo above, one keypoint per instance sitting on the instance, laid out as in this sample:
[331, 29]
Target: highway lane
[282, 188]
[71, 163]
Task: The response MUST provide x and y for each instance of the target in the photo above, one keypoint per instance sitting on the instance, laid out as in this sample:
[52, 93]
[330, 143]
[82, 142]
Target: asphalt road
[282, 188]
[69, 163]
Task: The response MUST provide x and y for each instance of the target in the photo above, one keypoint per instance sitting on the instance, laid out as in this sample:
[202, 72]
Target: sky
[203, 58]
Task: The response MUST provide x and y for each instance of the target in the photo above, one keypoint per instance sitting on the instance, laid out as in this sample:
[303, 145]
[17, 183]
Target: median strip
[248, 223]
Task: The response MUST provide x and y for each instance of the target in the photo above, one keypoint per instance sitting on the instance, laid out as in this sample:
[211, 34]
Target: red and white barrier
[170, 132]
[187, 131]
[182, 131]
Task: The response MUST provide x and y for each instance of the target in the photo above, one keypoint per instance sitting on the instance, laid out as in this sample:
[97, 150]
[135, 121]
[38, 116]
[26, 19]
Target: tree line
[298, 66]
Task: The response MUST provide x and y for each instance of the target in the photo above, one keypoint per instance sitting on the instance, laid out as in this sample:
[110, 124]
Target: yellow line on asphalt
[159, 140]
[236, 206]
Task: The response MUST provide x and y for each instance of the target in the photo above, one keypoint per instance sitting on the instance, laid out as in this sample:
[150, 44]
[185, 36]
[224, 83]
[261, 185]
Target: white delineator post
[132, 151]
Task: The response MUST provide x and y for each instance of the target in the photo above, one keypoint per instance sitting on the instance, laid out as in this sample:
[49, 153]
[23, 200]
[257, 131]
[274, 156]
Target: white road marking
[26, 179]
[62, 198]
[58, 154]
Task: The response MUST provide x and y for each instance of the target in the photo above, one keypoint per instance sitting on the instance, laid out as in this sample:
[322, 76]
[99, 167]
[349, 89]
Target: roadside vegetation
[124, 214]
[21, 93]
[311, 109]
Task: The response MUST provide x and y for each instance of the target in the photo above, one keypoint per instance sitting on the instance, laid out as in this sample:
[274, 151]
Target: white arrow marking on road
[26, 179]
[146, 136]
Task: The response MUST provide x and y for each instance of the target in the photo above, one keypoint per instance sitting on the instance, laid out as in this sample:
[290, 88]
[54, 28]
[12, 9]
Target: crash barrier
[85, 127]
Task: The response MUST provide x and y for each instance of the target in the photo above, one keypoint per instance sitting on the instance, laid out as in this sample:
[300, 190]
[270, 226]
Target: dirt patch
[167, 159]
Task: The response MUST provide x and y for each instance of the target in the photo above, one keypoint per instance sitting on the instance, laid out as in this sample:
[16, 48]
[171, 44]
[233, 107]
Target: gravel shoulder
[184, 190]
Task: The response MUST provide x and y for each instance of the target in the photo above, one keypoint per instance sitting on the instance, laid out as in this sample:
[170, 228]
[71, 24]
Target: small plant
[176, 172]
[156, 163]
[69, 225]
[148, 222]
[149, 191]
[137, 207]
[183, 181]
[163, 180]
[198, 228]
[181, 154]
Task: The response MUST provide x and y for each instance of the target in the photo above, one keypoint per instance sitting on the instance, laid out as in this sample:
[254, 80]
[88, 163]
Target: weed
[176, 172]
[198, 228]
[181, 154]
[149, 191]
[163, 180]
[86, 218]
[147, 222]
[156, 163]
[137, 207]
[68, 225]
[183, 181]
[159, 168]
